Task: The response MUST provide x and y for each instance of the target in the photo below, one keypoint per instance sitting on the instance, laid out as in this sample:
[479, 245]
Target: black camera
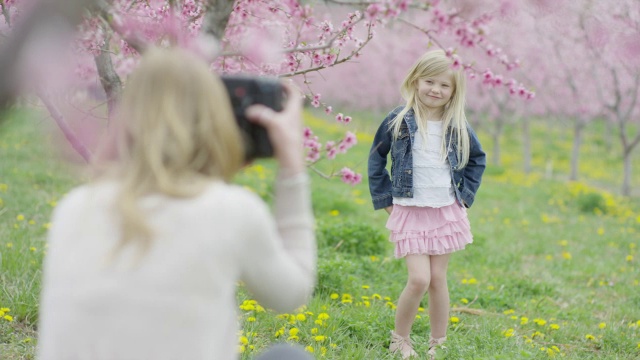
[245, 91]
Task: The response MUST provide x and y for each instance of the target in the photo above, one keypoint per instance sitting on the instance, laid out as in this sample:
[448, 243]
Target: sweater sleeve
[280, 262]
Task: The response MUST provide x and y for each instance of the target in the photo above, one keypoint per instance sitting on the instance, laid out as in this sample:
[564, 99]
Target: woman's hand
[284, 129]
[389, 209]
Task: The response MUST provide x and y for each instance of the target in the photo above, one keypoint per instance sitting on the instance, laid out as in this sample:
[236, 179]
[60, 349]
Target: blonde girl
[436, 168]
[143, 261]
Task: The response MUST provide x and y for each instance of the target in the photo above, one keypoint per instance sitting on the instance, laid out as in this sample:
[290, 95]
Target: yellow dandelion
[9, 318]
[365, 287]
[241, 349]
[293, 338]
[548, 257]
[508, 333]
[318, 322]
[376, 297]
[589, 337]
[540, 322]
[323, 316]
[566, 255]
[46, 225]
[309, 349]
[314, 331]
[294, 331]
[537, 334]
[33, 249]
[602, 325]
[319, 338]
[390, 305]
[464, 301]
[386, 298]
[4, 188]
[9, 245]
[563, 242]
[509, 312]
[334, 213]
[32, 222]
[373, 258]
[490, 287]
[473, 281]
[454, 320]
[420, 309]
[367, 303]
[244, 340]
[20, 217]
[334, 296]
[600, 231]
[301, 317]
[524, 320]
[251, 319]
[554, 326]
[279, 333]
[629, 258]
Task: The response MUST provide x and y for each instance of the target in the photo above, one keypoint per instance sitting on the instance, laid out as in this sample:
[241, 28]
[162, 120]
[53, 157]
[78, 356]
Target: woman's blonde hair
[434, 63]
[173, 133]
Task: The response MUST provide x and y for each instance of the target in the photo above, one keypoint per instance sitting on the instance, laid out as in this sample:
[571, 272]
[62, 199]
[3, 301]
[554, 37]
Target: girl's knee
[438, 281]
[418, 284]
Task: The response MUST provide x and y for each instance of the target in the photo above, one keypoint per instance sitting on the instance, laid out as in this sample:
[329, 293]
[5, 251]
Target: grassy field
[553, 271]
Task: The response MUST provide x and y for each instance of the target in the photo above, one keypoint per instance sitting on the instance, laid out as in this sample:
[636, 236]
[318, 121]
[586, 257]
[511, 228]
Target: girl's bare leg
[419, 270]
[438, 296]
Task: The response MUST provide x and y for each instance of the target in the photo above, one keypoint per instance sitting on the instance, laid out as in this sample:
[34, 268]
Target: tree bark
[626, 179]
[526, 145]
[217, 16]
[109, 79]
[578, 130]
[496, 135]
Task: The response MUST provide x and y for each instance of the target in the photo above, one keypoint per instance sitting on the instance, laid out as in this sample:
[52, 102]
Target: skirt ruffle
[429, 231]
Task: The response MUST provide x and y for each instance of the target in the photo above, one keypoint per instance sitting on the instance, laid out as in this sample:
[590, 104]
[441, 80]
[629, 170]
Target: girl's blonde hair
[434, 63]
[174, 133]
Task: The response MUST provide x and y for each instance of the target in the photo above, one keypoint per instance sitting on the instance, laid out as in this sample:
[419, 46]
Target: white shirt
[179, 303]
[431, 171]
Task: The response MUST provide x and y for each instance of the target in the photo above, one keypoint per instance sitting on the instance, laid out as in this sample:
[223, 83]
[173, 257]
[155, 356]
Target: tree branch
[65, 128]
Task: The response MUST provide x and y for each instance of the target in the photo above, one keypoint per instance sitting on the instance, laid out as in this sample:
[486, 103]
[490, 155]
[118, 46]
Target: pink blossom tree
[276, 38]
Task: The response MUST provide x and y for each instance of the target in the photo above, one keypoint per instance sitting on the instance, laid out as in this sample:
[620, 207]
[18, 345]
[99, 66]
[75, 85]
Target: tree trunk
[497, 134]
[109, 79]
[526, 145]
[217, 16]
[626, 180]
[578, 130]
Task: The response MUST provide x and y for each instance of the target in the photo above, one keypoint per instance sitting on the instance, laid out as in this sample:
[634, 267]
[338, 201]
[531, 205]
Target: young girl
[436, 167]
[143, 261]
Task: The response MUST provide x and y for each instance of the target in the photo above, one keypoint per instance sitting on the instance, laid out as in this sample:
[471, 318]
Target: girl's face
[435, 92]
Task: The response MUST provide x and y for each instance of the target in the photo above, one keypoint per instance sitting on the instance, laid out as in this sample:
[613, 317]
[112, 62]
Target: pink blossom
[350, 138]
[350, 177]
[347, 119]
[307, 133]
[339, 117]
[328, 110]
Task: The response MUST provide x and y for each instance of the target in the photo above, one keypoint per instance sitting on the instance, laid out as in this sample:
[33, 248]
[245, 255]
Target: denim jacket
[383, 188]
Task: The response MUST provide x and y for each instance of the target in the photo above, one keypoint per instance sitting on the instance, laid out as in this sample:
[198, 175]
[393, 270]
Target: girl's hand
[389, 209]
[284, 129]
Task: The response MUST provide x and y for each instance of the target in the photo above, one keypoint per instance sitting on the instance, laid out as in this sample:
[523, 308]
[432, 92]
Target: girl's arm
[379, 179]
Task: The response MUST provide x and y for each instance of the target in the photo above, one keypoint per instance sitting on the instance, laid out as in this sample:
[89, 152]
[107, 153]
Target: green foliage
[589, 202]
[352, 237]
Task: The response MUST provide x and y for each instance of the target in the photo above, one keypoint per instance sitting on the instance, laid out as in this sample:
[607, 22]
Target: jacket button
[408, 171]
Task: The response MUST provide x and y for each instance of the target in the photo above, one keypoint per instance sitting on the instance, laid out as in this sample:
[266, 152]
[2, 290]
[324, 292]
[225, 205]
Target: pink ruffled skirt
[429, 231]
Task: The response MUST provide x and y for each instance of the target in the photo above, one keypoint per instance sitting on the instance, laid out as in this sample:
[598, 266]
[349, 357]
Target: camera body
[245, 91]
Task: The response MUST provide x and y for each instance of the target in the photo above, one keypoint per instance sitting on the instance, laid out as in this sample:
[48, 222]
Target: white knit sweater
[179, 301]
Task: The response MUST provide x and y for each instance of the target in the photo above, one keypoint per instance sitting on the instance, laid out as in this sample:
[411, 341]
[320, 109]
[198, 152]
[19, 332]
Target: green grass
[554, 265]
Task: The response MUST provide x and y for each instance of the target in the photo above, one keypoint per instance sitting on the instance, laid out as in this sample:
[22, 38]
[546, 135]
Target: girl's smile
[435, 92]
